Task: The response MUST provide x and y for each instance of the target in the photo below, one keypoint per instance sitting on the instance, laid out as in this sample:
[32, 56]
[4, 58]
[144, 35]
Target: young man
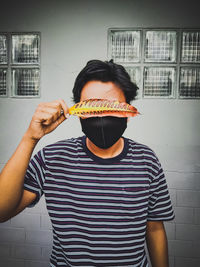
[105, 194]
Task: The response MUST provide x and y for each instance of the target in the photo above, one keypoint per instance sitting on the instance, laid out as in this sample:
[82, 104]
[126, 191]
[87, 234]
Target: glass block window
[135, 74]
[3, 65]
[20, 65]
[3, 49]
[160, 46]
[189, 82]
[190, 46]
[125, 46]
[159, 81]
[164, 63]
[25, 48]
[25, 82]
[3, 82]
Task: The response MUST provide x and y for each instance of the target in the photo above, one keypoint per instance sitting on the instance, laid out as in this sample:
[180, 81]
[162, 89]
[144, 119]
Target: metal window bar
[160, 46]
[158, 81]
[25, 82]
[189, 82]
[190, 47]
[3, 50]
[3, 82]
[125, 46]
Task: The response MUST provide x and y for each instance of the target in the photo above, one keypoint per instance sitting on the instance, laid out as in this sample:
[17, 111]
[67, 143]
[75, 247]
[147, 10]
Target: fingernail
[67, 116]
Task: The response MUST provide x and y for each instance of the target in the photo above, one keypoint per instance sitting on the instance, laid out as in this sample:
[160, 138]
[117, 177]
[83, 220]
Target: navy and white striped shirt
[99, 207]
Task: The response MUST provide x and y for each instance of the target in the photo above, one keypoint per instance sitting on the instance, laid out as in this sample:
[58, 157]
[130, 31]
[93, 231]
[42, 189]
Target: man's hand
[46, 118]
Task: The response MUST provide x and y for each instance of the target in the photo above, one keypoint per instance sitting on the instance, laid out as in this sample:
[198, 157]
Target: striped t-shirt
[99, 207]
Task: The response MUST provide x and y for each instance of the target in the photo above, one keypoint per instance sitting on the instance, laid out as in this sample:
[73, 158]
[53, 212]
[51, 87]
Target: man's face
[102, 90]
[103, 132]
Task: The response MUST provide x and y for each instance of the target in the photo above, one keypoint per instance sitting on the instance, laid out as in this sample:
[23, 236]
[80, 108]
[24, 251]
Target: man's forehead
[102, 90]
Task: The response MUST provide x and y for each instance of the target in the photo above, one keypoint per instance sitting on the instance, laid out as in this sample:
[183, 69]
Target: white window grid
[167, 62]
[20, 72]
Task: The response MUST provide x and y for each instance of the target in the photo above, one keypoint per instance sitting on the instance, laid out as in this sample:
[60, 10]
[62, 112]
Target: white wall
[74, 32]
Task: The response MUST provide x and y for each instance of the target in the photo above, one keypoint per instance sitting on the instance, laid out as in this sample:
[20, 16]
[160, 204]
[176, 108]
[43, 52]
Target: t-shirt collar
[105, 160]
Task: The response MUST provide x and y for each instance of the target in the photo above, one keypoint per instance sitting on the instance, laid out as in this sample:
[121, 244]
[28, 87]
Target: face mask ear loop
[102, 131]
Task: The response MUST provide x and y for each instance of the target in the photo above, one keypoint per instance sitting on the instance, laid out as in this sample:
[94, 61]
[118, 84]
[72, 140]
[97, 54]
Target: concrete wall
[74, 32]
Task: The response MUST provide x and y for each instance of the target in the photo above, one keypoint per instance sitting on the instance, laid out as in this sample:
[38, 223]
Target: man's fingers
[50, 114]
[64, 107]
[47, 117]
[44, 118]
[56, 123]
[47, 113]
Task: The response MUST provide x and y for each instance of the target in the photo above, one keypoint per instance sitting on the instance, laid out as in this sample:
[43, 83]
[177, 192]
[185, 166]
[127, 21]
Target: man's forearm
[157, 244]
[47, 117]
[12, 177]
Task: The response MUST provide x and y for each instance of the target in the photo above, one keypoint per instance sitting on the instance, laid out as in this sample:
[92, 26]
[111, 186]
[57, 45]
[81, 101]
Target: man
[105, 194]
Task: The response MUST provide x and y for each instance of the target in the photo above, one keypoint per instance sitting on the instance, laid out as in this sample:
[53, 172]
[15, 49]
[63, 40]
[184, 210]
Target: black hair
[105, 71]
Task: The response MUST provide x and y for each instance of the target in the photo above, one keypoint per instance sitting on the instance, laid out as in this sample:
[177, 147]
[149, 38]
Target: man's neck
[110, 152]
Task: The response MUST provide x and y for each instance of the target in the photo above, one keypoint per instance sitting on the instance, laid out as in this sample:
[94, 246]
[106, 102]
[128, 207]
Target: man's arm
[13, 198]
[156, 240]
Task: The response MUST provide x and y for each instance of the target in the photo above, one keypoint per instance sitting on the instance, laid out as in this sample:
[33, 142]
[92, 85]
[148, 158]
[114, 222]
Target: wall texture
[74, 32]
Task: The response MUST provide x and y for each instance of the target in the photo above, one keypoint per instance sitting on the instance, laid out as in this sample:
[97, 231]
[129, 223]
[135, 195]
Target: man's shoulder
[141, 149]
[143, 153]
[139, 146]
[65, 144]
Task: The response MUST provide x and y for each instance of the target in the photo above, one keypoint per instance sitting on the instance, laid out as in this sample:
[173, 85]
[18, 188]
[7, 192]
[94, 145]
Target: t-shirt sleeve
[160, 206]
[35, 175]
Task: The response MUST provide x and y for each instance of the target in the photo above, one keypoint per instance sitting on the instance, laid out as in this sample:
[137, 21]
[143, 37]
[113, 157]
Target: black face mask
[104, 131]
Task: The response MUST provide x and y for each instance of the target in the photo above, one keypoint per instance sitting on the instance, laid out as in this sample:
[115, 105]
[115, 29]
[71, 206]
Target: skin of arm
[156, 240]
[13, 199]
